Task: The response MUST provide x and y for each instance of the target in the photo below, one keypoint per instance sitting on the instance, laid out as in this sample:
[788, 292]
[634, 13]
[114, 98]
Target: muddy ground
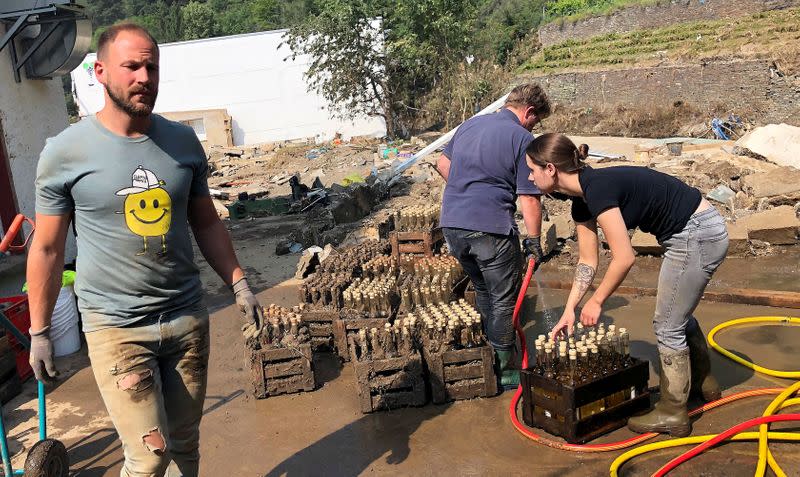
[324, 433]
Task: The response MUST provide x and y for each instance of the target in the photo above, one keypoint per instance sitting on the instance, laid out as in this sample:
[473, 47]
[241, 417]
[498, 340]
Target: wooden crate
[461, 374]
[390, 383]
[347, 326]
[320, 324]
[470, 296]
[552, 406]
[422, 242]
[276, 371]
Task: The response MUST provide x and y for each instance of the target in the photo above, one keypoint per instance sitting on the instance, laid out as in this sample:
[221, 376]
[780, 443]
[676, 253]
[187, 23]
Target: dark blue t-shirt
[487, 172]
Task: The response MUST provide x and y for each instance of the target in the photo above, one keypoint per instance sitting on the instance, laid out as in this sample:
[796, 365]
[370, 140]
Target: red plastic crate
[20, 316]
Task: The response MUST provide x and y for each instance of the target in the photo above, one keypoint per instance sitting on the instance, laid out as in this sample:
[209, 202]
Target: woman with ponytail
[691, 230]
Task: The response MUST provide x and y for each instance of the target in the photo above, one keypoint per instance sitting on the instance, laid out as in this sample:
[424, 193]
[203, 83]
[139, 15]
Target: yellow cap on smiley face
[148, 206]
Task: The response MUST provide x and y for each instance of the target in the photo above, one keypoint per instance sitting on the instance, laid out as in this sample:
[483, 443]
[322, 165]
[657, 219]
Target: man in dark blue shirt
[485, 169]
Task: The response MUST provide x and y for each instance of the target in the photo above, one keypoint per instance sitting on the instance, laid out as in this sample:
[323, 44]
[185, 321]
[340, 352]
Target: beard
[134, 110]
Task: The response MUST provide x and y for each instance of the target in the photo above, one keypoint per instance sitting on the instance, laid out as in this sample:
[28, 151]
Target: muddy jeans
[152, 376]
[494, 264]
[692, 256]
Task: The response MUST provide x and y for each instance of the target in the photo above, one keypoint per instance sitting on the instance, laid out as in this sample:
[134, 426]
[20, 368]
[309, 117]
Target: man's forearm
[44, 272]
[216, 246]
[531, 206]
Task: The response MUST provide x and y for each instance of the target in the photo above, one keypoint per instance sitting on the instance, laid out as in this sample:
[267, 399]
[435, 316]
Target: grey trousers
[152, 376]
[692, 256]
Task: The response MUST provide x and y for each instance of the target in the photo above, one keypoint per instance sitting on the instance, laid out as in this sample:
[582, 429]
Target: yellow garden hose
[744, 362]
[765, 457]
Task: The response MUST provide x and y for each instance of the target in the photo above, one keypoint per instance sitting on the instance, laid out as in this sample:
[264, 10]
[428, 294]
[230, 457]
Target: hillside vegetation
[773, 34]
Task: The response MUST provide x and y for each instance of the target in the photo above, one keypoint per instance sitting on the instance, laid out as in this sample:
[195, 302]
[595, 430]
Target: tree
[198, 21]
[379, 57]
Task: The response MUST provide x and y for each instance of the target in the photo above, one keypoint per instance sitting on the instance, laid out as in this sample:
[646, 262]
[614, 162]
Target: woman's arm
[622, 258]
[584, 274]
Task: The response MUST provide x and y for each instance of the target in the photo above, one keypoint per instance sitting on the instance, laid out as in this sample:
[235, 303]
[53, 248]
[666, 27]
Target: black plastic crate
[576, 413]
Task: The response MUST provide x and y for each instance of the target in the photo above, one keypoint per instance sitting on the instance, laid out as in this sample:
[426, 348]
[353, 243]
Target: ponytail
[558, 150]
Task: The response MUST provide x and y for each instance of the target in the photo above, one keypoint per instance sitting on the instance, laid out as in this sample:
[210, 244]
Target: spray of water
[549, 318]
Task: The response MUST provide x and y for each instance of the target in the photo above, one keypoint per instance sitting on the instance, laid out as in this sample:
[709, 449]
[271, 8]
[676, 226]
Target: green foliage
[422, 41]
[198, 21]
[759, 32]
[176, 20]
[573, 10]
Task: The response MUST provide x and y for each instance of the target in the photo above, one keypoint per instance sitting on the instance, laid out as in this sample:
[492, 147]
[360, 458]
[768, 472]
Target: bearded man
[134, 183]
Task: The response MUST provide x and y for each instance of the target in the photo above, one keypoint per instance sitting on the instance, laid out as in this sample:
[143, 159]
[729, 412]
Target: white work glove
[250, 308]
[41, 355]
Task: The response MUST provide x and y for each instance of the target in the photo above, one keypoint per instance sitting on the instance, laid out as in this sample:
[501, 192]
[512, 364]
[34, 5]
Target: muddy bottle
[625, 345]
[595, 366]
[548, 362]
[616, 362]
[583, 366]
[563, 364]
[572, 370]
[389, 346]
[376, 352]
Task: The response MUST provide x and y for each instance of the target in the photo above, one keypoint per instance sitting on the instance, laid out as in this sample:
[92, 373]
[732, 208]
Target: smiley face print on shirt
[147, 207]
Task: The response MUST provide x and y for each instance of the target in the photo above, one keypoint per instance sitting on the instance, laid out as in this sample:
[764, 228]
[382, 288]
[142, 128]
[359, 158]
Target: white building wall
[31, 111]
[265, 96]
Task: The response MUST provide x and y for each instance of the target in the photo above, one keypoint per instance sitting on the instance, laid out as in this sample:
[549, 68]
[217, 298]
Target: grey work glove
[532, 247]
[41, 355]
[248, 305]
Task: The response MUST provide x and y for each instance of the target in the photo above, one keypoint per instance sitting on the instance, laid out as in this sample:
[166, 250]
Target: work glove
[532, 246]
[248, 305]
[41, 355]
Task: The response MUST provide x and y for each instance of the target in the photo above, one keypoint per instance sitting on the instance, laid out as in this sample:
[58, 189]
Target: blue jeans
[152, 376]
[494, 264]
[692, 256]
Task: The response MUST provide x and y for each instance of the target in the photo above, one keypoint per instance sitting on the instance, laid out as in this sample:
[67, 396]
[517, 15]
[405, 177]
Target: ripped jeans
[152, 376]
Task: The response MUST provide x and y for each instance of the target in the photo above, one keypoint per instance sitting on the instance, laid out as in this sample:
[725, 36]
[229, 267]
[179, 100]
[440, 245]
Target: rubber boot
[669, 415]
[505, 361]
[703, 382]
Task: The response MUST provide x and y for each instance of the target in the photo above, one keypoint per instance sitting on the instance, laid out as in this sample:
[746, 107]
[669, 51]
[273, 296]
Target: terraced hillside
[773, 35]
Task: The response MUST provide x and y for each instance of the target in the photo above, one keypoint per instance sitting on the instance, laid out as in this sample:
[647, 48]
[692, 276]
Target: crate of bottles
[388, 369]
[368, 303]
[587, 391]
[321, 327]
[324, 288]
[458, 374]
[426, 242]
[280, 357]
[351, 324]
[459, 360]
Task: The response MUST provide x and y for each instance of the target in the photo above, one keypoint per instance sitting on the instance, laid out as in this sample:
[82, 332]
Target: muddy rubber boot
[703, 382]
[669, 415]
[508, 377]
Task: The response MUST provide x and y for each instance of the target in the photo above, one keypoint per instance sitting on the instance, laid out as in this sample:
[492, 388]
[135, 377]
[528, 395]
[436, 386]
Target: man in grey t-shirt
[134, 183]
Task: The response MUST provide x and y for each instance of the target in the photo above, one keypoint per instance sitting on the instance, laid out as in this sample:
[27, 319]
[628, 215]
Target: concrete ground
[324, 433]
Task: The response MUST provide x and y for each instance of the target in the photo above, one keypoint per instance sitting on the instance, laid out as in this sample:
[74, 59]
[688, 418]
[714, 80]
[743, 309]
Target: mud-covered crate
[425, 242]
[390, 383]
[349, 325]
[461, 374]
[586, 411]
[278, 371]
[470, 294]
[321, 324]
